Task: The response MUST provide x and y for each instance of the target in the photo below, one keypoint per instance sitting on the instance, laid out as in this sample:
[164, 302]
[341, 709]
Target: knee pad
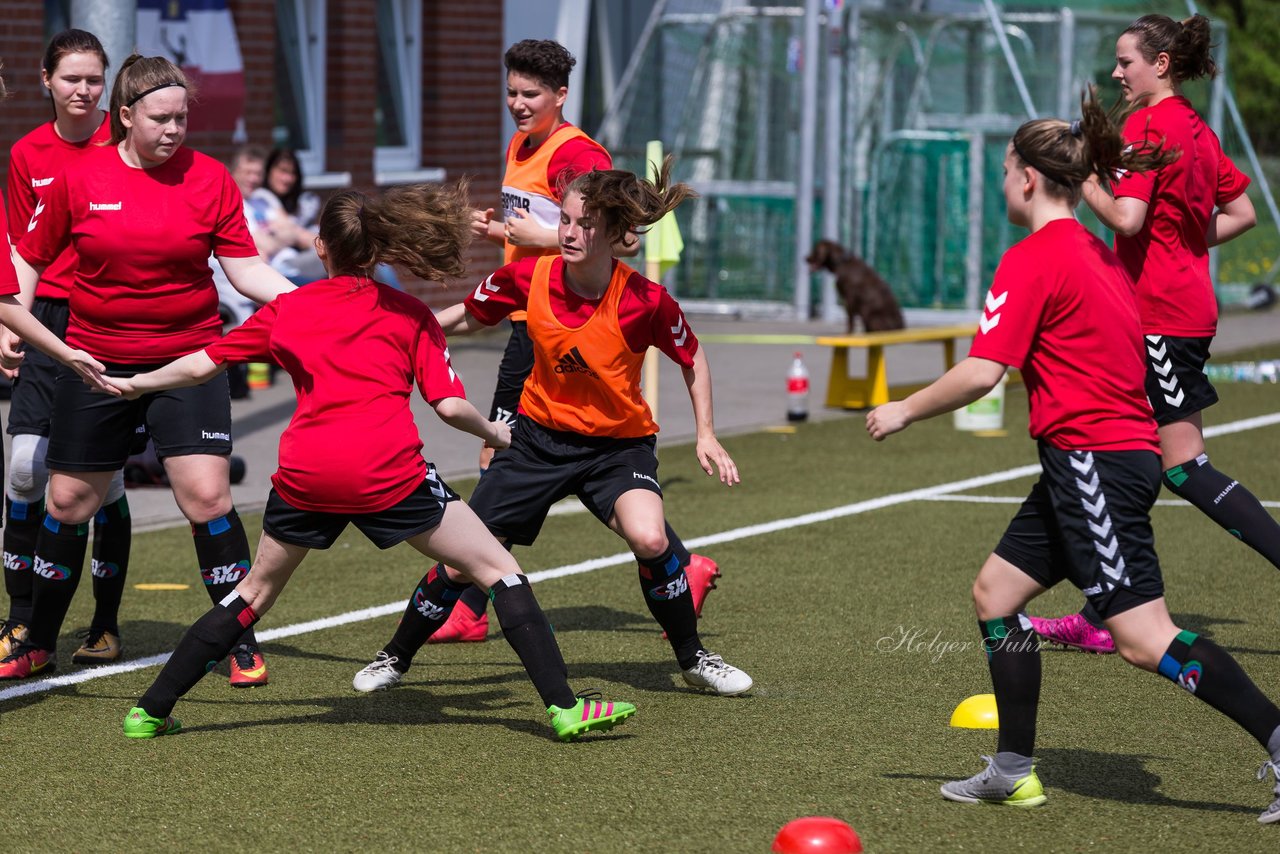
[116, 490]
[28, 474]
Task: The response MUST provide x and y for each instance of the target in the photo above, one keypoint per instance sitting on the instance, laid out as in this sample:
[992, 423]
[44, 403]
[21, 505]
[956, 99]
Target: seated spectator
[282, 187]
[291, 214]
[283, 244]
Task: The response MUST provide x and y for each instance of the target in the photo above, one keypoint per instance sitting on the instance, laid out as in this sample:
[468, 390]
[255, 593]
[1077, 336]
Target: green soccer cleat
[139, 724]
[586, 715]
[990, 787]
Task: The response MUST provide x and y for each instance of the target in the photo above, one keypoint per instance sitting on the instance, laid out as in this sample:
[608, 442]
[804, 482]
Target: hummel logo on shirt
[105, 206]
[41, 182]
[35, 216]
[991, 317]
[573, 363]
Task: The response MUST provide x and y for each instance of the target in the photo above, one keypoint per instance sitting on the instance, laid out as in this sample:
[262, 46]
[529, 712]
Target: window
[300, 81]
[398, 114]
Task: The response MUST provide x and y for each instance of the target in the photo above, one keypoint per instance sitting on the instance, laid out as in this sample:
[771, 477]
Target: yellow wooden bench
[844, 391]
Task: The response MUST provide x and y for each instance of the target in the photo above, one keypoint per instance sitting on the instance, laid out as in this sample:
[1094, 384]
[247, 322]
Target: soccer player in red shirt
[73, 70]
[1165, 221]
[354, 347]
[1061, 309]
[143, 215]
[544, 154]
[584, 428]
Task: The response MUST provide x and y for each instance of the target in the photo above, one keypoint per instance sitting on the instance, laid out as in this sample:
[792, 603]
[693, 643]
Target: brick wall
[351, 82]
[463, 113]
[22, 48]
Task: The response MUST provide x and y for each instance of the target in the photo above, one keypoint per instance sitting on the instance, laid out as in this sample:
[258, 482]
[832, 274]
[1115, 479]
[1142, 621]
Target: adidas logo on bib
[573, 363]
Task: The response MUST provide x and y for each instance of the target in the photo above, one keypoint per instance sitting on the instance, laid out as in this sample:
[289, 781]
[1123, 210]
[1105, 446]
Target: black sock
[222, 549]
[1226, 502]
[1013, 657]
[1208, 671]
[21, 528]
[677, 545]
[476, 599]
[429, 607]
[112, 535]
[1091, 616]
[58, 565]
[666, 592]
[206, 643]
[525, 627]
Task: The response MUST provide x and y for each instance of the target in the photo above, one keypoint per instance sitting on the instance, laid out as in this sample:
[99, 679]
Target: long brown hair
[625, 202]
[66, 43]
[1067, 153]
[139, 76]
[1186, 42]
[424, 228]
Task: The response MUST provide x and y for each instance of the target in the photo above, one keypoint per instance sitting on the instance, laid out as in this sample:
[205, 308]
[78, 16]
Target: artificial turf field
[858, 630]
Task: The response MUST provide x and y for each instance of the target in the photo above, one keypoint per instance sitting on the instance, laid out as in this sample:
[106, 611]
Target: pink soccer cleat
[462, 627]
[1074, 631]
[702, 573]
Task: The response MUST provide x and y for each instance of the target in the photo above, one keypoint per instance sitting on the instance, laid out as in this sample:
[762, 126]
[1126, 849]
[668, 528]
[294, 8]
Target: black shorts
[543, 466]
[1088, 520]
[32, 405]
[516, 365]
[1176, 384]
[92, 431]
[421, 511]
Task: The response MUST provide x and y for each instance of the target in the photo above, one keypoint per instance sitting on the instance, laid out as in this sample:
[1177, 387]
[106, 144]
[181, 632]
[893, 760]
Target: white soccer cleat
[379, 675]
[712, 672]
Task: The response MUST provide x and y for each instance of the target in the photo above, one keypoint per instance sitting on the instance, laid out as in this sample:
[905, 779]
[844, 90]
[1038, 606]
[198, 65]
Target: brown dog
[865, 294]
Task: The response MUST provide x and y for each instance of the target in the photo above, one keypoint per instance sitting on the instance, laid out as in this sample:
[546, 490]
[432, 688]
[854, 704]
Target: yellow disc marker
[976, 712]
[161, 585]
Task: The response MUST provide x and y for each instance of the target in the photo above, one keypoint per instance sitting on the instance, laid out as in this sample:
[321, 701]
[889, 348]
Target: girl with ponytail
[352, 453]
[142, 214]
[1165, 222]
[584, 428]
[1061, 310]
[73, 71]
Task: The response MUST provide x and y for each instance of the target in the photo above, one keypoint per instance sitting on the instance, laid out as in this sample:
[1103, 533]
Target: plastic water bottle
[1244, 372]
[798, 390]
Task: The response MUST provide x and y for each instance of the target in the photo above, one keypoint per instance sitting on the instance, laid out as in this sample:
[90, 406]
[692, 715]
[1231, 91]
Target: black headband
[1048, 173]
[138, 97]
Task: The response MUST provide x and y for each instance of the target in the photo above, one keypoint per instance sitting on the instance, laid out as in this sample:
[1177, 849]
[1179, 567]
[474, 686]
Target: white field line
[1014, 499]
[928, 493]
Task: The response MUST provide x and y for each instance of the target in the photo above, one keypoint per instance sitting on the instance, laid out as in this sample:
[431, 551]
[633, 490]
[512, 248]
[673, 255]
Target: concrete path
[750, 393]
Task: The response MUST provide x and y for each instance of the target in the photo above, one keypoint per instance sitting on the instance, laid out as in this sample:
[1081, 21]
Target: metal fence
[916, 101]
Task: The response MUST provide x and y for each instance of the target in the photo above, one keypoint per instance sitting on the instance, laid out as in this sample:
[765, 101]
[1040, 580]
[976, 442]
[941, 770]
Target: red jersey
[1061, 310]
[646, 315]
[35, 161]
[1169, 257]
[353, 348]
[143, 291]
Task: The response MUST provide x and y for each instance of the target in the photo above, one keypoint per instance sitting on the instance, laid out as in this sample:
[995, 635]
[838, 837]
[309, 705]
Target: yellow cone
[976, 712]
[259, 375]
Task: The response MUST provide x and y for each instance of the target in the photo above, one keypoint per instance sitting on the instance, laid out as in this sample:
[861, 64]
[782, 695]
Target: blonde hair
[138, 77]
[423, 228]
[626, 202]
[1067, 153]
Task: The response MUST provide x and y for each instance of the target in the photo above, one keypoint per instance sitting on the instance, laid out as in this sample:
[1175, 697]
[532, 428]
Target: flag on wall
[199, 36]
